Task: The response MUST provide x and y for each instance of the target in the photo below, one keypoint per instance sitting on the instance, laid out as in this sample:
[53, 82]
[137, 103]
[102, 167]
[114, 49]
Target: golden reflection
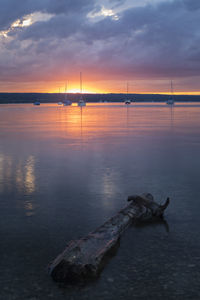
[94, 121]
[87, 121]
[19, 177]
[29, 208]
[29, 180]
[6, 164]
[102, 121]
[23, 174]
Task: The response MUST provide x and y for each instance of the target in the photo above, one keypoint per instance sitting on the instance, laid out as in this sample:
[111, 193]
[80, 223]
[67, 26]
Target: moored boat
[81, 102]
[171, 101]
[36, 103]
[127, 101]
[66, 102]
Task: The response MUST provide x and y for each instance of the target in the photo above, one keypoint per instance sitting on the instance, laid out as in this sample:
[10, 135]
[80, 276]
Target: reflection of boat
[36, 103]
[127, 101]
[170, 101]
[66, 102]
[81, 102]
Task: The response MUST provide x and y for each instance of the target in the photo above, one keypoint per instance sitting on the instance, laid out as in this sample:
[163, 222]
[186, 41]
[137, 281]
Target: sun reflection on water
[29, 180]
[23, 171]
[29, 208]
[6, 165]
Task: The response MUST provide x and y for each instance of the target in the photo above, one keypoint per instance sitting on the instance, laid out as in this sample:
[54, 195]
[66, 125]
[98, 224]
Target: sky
[45, 44]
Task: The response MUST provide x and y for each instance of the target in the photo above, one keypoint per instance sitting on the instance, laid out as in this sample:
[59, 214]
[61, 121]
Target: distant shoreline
[9, 98]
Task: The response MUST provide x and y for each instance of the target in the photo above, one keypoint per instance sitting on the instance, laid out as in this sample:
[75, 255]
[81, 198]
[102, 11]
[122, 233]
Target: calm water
[64, 171]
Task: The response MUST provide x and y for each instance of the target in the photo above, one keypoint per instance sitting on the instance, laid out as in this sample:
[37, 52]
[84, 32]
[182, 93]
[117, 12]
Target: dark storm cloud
[60, 26]
[160, 40]
[192, 4]
[153, 40]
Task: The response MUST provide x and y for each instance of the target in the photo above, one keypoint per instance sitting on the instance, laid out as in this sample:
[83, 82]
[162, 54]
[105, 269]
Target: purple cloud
[157, 41]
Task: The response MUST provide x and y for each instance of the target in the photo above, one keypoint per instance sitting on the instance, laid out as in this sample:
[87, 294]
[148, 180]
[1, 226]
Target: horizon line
[108, 93]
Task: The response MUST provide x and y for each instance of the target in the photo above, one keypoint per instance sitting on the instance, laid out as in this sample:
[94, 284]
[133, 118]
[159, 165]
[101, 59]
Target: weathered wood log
[84, 259]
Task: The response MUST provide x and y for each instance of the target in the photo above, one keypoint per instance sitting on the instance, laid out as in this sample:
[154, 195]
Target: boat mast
[81, 85]
[172, 91]
[65, 90]
[127, 89]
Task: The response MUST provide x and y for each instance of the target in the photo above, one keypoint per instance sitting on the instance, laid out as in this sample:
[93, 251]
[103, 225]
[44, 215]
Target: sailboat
[36, 103]
[81, 102]
[60, 102]
[170, 101]
[66, 102]
[127, 101]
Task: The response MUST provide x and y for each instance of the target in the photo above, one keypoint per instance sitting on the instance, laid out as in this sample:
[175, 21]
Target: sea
[64, 171]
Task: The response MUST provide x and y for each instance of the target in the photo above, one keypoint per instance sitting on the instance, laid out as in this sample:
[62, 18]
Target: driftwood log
[84, 259]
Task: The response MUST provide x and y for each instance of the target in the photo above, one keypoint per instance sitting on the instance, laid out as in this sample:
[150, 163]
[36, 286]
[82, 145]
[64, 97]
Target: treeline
[54, 98]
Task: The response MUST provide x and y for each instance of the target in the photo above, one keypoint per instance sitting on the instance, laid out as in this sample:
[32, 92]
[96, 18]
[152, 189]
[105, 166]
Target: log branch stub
[84, 259]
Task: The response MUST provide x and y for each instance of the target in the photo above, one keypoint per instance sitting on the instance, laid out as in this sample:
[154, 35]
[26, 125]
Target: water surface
[66, 170]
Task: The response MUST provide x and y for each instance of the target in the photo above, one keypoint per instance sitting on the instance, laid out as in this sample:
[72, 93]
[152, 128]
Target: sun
[73, 91]
[77, 91]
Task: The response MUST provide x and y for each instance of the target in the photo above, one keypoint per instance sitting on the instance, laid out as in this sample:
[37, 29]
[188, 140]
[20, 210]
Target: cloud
[150, 41]
[159, 40]
[192, 4]
[12, 10]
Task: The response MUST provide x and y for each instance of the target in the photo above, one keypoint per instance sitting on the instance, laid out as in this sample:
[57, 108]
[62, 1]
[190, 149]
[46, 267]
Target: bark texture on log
[84, 259]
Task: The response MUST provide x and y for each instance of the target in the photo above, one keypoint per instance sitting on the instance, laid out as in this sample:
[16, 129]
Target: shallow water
[66, 170]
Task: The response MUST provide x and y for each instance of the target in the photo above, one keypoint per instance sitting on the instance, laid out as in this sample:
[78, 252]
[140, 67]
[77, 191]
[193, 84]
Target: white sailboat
[127, 101]
[81, 102]
[170, 101]
[66, 102]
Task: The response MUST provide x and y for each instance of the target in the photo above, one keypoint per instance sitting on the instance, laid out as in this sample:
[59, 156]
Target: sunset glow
[45, 45]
